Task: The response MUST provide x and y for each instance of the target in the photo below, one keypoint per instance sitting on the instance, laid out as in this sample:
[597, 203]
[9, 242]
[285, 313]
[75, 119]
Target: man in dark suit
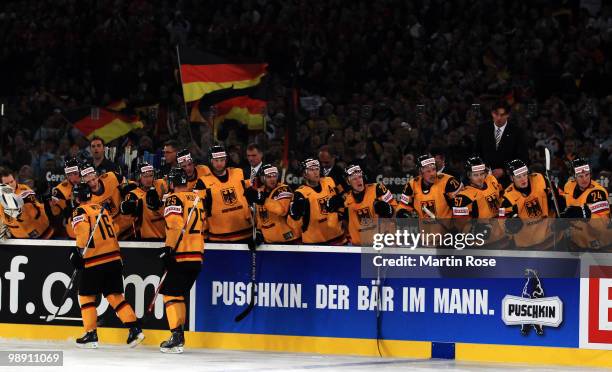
[500, 142]
[255, 159]
[329, 168]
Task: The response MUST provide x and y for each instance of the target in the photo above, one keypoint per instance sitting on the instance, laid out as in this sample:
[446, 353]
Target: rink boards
[316, 299]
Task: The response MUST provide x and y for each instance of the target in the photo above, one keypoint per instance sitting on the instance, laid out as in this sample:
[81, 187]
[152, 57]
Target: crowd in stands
[379, 81]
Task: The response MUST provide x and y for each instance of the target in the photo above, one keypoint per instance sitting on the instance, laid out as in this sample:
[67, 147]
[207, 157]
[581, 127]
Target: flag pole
[178, 58]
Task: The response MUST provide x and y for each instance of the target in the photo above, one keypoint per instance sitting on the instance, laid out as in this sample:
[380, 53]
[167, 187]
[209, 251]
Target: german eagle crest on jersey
[229, 196]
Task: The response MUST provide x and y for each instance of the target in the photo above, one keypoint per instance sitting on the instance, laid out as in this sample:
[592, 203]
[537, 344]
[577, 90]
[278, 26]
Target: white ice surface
[110, 358]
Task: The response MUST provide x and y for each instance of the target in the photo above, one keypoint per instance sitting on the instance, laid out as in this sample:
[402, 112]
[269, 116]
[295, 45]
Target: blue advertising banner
[313, 291]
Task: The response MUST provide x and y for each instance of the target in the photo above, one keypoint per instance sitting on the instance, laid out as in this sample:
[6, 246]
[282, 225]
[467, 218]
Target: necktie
[253, 174]
[498, 134]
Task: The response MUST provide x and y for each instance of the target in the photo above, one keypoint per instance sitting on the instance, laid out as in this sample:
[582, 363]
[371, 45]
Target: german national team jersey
[483, 204]
[149, 223]
[62, 195]
[531, 205]
[110, 194]
[227, 210]
[362, 219]
[272, 217]
[189, 246]
[32, 223]
[434, 198]
[595, 233]
[103, 247]
[200, 171]
[318, 225]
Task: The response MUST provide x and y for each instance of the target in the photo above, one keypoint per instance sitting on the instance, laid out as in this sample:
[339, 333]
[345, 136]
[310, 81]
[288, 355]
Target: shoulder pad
[281, 192]
[237, 171]
[104, 175]
[173, 199]
[79, 211]
[596, 195]
[462, 200]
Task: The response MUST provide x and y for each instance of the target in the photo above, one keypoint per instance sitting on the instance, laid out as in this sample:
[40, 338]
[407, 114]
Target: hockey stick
[178, 241]
[251, 304]
[74, 273]
[550, 184]
[428, 212]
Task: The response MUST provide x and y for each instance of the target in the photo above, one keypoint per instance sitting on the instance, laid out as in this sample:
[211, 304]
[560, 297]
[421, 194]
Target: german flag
[244, 109]
[103, 123]
[204, 73]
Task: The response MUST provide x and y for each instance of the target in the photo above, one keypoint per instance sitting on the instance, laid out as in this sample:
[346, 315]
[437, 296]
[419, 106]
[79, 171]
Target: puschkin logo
[532, 309]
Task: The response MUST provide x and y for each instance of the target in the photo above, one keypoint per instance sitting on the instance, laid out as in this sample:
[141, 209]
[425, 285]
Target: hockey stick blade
[245, 312]
[547, 157]
[251, 305]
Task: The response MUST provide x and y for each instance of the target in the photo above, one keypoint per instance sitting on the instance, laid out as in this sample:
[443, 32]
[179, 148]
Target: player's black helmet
[177, 177]
[86, 167]
[579, 165]
[216, 152]
[352, 169]
[183, 156]
[309, 163]
[516, 167]
[425, 160]
[71, 166]
[473, 164]
[81, 192]
[143, 168]
[266, 170]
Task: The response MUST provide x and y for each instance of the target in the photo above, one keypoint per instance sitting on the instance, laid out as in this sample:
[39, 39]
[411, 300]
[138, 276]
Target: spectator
[255, 158]
[329, 168]
[501, 142]
[100, 162]
[169, 156]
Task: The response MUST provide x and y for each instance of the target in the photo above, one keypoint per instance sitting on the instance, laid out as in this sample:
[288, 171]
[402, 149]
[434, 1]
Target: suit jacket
[246, 170]
[512, 145]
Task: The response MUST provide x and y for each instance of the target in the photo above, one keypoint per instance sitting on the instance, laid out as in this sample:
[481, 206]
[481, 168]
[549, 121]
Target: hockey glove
[76, 259]
[297, 208]
[513, 225]
[129, 207]
[255, 196]
[403, 213]
[383, 209]
[152, 199]
[482, 228]
[124, 189]
[583, 212]
[167, 256]
[334, 203]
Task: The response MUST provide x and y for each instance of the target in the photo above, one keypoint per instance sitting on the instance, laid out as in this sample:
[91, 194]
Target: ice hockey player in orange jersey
[182, 254]
[102, 268]
[272, 201]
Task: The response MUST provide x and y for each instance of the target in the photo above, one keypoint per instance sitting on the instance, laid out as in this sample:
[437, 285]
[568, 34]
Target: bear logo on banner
[532, 309]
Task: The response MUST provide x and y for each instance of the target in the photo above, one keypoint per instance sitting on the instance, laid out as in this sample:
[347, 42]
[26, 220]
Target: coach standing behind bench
[500, 142]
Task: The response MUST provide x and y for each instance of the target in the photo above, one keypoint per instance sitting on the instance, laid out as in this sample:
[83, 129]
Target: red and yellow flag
[103, 123]
[204, 73]
[244, 109]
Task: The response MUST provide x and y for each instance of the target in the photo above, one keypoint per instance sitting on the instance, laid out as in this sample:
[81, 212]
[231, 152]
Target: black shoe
[135, 336]
[175, 343]
[88, 341]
